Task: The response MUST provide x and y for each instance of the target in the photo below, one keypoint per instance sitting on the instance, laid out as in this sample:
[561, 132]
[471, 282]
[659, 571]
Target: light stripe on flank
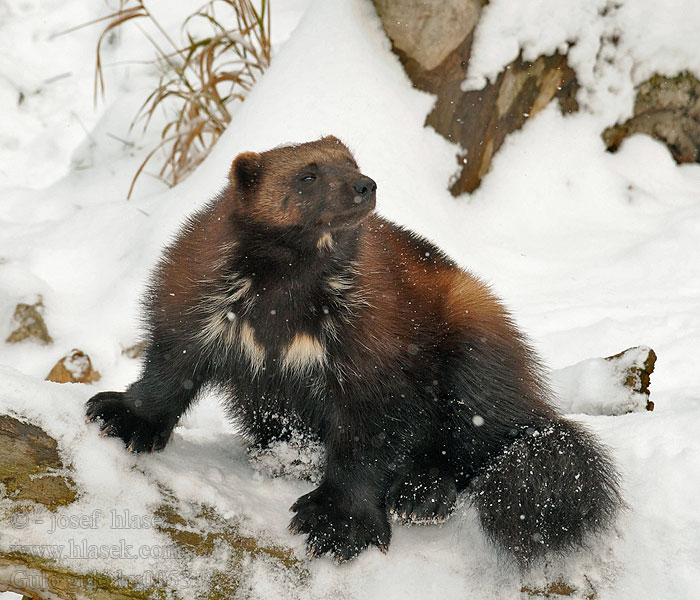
[339, 283]
[219, 321]
[217, 329]
[303, 354]
[239, 288]
[250, 347]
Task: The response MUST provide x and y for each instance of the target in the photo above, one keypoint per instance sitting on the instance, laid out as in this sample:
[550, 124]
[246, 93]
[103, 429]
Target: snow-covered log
[36, 482]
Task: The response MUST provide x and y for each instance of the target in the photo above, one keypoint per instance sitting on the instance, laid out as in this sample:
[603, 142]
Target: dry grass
[199, 78]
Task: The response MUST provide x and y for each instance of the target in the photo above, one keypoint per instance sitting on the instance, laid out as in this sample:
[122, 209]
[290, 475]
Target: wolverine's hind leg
[424, 490]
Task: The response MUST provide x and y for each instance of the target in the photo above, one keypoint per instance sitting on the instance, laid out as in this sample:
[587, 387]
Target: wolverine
[314, 315]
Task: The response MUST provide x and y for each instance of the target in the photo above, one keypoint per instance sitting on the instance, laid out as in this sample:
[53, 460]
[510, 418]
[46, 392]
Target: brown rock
[477, 120]
[30, 467]
[482, 119]
[428, 30]
[668, 109]
[638, 365]
[39, 578]
[556, 589]
[30, 324]
[135, 351]
[74, 367]
[200, 531]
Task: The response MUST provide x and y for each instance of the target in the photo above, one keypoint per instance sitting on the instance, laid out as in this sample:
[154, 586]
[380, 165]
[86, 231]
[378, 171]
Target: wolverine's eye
[308, 177]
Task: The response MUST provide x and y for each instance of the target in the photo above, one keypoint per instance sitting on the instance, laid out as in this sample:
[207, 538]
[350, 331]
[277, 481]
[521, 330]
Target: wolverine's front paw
[117, 419]
[338, 528]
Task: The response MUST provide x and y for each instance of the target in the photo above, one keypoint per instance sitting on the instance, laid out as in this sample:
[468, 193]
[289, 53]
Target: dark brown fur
[316, 315]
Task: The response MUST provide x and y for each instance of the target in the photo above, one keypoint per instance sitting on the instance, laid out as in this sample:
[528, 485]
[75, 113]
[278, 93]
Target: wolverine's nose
[365, 187]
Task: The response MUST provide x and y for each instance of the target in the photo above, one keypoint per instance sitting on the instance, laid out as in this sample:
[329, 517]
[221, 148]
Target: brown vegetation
[200, 78]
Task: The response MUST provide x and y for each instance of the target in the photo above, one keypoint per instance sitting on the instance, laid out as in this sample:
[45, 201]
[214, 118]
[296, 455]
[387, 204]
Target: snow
[612, 45]
[593, 252]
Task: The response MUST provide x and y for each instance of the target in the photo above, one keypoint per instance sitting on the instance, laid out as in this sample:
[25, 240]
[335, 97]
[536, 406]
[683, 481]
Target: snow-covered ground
[593, 252]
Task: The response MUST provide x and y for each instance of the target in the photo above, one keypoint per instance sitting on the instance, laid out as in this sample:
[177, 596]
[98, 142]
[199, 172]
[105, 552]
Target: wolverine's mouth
[352, 217]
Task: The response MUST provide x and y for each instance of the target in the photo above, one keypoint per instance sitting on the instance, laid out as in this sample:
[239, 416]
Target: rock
[614, 385]
[40, 578]
[74, 367]
[637, 365]
[199, 531]
[31, 471]
[477, 120]
[480, 120]
[30, 324]
[135, 351]
[30, 466]
[428, 30]
[556, 589]
[668, 109]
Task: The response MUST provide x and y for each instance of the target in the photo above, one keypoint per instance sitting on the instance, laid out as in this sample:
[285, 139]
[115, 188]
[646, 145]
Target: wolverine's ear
[246, 169]
[333, 140]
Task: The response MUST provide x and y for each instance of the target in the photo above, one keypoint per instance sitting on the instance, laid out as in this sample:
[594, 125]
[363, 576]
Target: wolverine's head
[316, 185]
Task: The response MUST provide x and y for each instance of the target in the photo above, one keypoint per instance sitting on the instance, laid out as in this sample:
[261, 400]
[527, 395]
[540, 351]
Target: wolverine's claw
[107, 431]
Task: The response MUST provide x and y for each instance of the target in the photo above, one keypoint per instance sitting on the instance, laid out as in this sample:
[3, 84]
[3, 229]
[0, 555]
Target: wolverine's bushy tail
[547, 492]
